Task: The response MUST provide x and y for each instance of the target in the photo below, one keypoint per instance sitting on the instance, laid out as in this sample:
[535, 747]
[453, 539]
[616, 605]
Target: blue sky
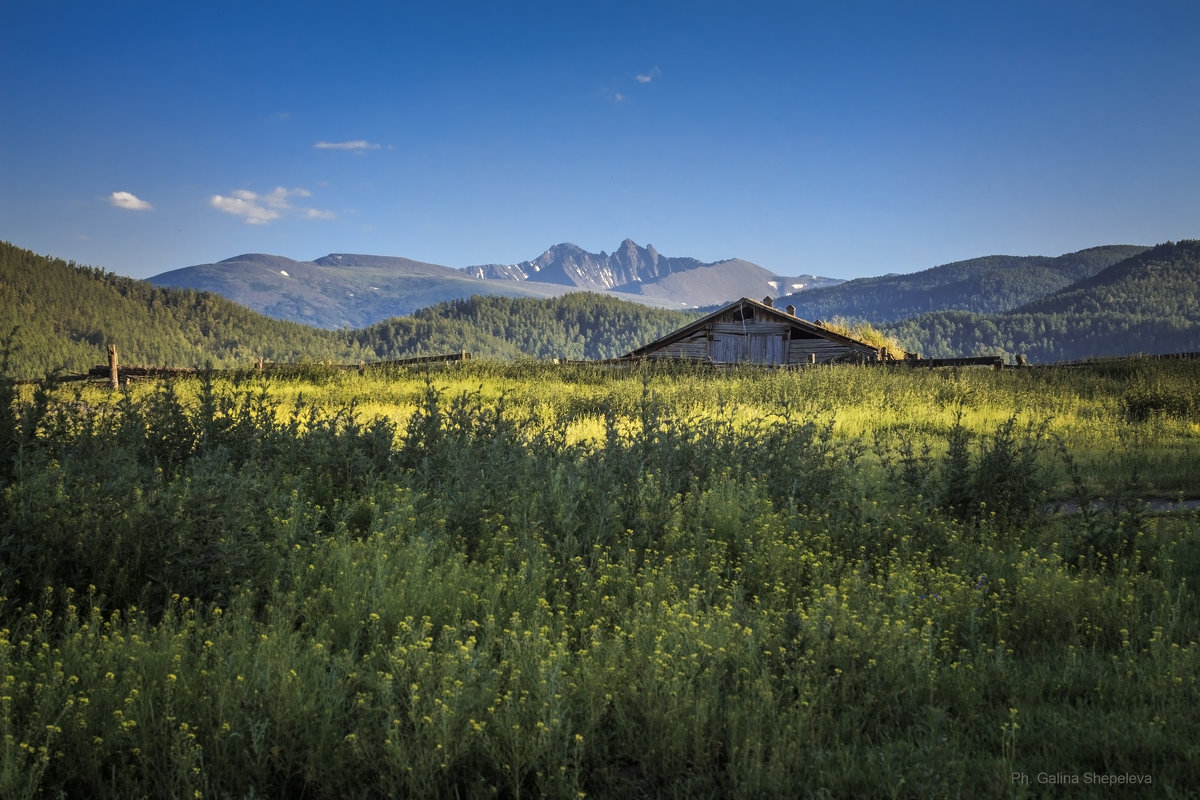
[839, 138]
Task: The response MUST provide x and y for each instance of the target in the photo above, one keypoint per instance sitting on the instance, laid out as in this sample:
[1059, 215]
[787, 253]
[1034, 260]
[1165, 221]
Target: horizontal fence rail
[117, 373]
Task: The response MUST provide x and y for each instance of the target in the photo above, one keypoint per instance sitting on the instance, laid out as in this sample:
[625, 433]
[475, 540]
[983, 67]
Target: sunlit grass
[538, 580]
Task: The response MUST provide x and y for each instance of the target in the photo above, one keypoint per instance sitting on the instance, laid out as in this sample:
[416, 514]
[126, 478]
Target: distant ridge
[348, 290]
[1163, 281]
[985, 285]
[339, 290]
[1147, 304]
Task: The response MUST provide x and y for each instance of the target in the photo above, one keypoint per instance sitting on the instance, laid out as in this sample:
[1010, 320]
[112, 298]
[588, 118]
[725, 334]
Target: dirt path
[1153, 505]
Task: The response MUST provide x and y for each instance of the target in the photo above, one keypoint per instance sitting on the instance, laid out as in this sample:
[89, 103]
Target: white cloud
[357, 145]
[129, 202]
[245, 205]
[260, 209]
[648, 76]
[278, 198]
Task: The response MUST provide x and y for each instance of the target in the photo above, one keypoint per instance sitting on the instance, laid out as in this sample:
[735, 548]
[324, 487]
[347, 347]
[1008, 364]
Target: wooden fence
[995, 362]
[118, 374]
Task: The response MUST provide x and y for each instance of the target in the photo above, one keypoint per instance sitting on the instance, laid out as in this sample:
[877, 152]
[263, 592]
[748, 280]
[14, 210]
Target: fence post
[114, 375]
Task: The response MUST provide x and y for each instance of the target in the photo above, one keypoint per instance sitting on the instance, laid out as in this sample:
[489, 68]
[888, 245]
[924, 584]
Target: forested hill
[985, 285]
[66, 314]
[1163, 281]
[1147, 304]
[575, 326]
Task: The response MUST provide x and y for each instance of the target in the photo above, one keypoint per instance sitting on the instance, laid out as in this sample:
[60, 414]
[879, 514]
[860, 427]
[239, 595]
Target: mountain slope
[987, 285]
[340, 290]
[1163, 281]
[1044, 338]
[1146, 304]
[580, 325]
[720, 282]
[66, 315]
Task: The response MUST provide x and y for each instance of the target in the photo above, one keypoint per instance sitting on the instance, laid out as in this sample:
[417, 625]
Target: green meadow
[531, 580]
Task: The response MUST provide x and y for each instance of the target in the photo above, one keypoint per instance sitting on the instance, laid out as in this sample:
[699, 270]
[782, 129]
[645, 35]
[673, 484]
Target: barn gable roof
[763, 312]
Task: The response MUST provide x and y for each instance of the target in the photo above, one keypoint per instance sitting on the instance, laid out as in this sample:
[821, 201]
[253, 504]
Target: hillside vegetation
[65, 316]
[577, 326]
[982, 285]
[1149, 303]
[1163, 281]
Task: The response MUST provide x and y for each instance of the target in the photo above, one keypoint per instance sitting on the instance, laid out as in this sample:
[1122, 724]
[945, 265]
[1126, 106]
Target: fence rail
[996, 362]
[118, 374]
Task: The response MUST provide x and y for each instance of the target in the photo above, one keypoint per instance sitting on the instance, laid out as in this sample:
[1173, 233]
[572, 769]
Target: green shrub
[530, 581]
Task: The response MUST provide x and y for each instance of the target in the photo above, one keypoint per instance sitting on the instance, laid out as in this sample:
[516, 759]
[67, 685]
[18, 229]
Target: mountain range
[346, 290]
[636, 272]
[340, 290]
[1105, 301]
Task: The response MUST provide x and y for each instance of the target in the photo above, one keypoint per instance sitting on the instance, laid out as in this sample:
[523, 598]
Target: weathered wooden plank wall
[825, 350]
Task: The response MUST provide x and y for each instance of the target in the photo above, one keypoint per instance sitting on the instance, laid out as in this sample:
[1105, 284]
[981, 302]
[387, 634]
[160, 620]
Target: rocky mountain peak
[633, 269]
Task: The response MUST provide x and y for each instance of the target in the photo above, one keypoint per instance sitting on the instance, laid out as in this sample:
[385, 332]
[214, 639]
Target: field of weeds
[531, 580]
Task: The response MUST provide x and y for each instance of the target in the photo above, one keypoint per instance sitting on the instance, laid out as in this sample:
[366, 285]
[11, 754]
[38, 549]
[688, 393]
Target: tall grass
[518, 580]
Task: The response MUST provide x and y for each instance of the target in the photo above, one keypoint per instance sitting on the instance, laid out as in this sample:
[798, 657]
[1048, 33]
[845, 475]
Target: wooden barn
[749, 331]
